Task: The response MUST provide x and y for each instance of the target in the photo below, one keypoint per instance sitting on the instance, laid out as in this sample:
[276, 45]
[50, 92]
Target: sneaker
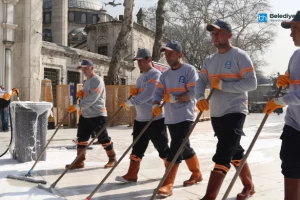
[6, 130]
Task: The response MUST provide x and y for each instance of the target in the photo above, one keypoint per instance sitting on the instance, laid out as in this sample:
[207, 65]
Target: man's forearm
[184, 97]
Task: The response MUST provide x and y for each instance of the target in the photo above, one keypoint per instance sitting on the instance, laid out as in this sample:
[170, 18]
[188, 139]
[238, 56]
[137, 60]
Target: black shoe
[6, 130]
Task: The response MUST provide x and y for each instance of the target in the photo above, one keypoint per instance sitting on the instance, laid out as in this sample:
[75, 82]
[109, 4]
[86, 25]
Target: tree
[186, 21]
[160, 20]
[122, 43]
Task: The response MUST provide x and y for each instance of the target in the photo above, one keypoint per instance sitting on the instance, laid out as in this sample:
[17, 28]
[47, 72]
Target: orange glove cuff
[283, 80]
[134, 91]
[215, 83]
[79, 94]
[6, 97]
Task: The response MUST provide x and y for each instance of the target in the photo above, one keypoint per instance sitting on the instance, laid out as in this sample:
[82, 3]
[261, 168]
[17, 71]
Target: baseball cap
[142, 53]
[86, 63]
[296, 19]
[219, 24]
[172, 45]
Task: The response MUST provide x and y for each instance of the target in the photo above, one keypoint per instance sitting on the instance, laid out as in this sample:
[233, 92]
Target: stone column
[8, 41]
[8, 67]
[27, 49]
[59, 21]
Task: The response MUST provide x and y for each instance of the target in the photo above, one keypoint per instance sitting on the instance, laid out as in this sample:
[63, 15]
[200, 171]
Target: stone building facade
[25, 59]
[76, 14]
[101, 39]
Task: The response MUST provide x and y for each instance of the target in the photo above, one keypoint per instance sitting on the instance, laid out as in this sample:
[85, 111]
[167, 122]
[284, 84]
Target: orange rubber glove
[202, 104]
[79, 94]
[126, 104]
[273, 104]
[217, 84]
[134, 91]
[15, 92]
[170, 98]
[283, 81]
[6, 97]
[72, 108]
[156, 110]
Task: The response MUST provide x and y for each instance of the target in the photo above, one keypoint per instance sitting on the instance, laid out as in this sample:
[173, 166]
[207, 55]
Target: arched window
[83, 18]
[71, 17]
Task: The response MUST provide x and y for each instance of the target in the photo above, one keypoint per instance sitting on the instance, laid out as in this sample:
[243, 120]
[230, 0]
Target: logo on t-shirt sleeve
[181, 79]
[228, 64]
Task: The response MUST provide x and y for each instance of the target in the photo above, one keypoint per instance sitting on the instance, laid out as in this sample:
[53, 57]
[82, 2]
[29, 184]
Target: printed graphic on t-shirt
[145, 79]
[228, 64]
[181, 79]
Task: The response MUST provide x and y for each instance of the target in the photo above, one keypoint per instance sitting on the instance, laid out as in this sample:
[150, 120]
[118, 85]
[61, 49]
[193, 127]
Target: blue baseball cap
[219, 24]
[296, 19]
[86, 63]
[142, 53]
[172, 46]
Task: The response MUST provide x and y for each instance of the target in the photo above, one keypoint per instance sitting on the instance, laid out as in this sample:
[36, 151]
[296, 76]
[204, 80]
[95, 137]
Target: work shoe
[111, 158]
[79, 163]
[167, 188]
[194, 167]
[132, 173]
[246, 178]
[214, 184]
[291, 189]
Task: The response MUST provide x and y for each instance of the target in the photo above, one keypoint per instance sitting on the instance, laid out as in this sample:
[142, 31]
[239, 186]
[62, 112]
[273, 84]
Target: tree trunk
[121, 43]
[160, 20]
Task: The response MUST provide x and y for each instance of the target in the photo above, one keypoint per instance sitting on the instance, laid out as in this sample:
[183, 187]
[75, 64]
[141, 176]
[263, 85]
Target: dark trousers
[178, 132]
[228, 129]
[290, 152]
[156, 132]
[4, 118]
[87, 126]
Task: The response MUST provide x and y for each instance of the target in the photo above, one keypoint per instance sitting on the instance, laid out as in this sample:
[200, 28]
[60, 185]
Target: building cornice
[14, 2]
[52, 49]
[9, 26]
[8, 44]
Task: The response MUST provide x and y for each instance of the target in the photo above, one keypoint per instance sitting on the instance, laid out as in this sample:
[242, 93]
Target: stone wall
[66, 59]
[106, 34]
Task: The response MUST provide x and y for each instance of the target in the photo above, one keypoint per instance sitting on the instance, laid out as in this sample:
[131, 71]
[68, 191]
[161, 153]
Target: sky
[279, 53]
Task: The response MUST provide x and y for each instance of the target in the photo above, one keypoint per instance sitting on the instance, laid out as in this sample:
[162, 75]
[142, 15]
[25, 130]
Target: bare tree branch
[121, 44]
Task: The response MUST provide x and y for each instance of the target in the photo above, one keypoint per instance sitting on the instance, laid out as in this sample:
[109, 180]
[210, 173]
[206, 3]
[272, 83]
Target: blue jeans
[4, 118]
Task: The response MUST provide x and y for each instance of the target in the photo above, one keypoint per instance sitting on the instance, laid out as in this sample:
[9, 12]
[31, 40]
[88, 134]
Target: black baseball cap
[142, 53]
[172, 46]
[219, 24]
[86, 63]
[296, 19]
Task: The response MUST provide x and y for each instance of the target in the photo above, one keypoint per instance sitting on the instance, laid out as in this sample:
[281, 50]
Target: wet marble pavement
[78, 184]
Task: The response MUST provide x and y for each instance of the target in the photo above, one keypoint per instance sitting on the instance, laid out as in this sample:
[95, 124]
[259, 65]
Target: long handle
[90, 143]
[179, 150]
[121, 158]
[44, 149]
[239, 169]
